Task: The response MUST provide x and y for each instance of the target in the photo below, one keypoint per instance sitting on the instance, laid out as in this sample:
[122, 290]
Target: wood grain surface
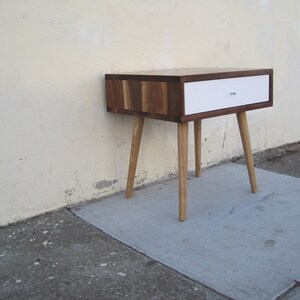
[148, 97]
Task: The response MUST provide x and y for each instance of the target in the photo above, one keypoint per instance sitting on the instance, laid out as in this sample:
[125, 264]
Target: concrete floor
[59, 256]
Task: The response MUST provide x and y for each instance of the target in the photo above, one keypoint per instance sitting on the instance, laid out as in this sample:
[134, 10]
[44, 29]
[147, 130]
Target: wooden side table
[184, 95]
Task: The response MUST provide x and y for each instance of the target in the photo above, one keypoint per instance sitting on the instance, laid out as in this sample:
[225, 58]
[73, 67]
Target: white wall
[60, 146]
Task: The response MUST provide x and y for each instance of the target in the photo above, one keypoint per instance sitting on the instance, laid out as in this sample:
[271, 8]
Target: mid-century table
[184, 95]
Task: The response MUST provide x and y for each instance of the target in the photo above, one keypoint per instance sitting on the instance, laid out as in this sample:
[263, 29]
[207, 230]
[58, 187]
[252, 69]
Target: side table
[184, 95]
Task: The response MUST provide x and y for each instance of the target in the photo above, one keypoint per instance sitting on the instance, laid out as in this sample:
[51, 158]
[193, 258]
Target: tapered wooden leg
[182, 168]
[197, 142]
[243, 125]
[135, 147]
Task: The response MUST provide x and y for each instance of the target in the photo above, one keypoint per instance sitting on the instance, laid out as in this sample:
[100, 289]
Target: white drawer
[204, 96]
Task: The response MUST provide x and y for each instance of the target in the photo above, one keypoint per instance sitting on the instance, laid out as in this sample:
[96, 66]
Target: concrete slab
[241, 244]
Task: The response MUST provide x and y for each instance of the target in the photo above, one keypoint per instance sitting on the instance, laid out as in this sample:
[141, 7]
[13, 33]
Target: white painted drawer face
[204, 96]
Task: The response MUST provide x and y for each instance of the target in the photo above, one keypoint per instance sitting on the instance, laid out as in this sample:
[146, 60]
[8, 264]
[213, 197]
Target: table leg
[243, 125]
[182, 168]
[135, 147]
[197, 141]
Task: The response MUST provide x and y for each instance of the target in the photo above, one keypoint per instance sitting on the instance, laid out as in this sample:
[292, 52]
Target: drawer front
[210, 95]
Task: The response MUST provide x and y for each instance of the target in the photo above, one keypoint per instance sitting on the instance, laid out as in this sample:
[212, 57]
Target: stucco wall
[60, 146]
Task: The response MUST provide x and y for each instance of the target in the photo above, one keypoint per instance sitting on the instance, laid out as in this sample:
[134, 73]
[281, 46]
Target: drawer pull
[232, 93]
